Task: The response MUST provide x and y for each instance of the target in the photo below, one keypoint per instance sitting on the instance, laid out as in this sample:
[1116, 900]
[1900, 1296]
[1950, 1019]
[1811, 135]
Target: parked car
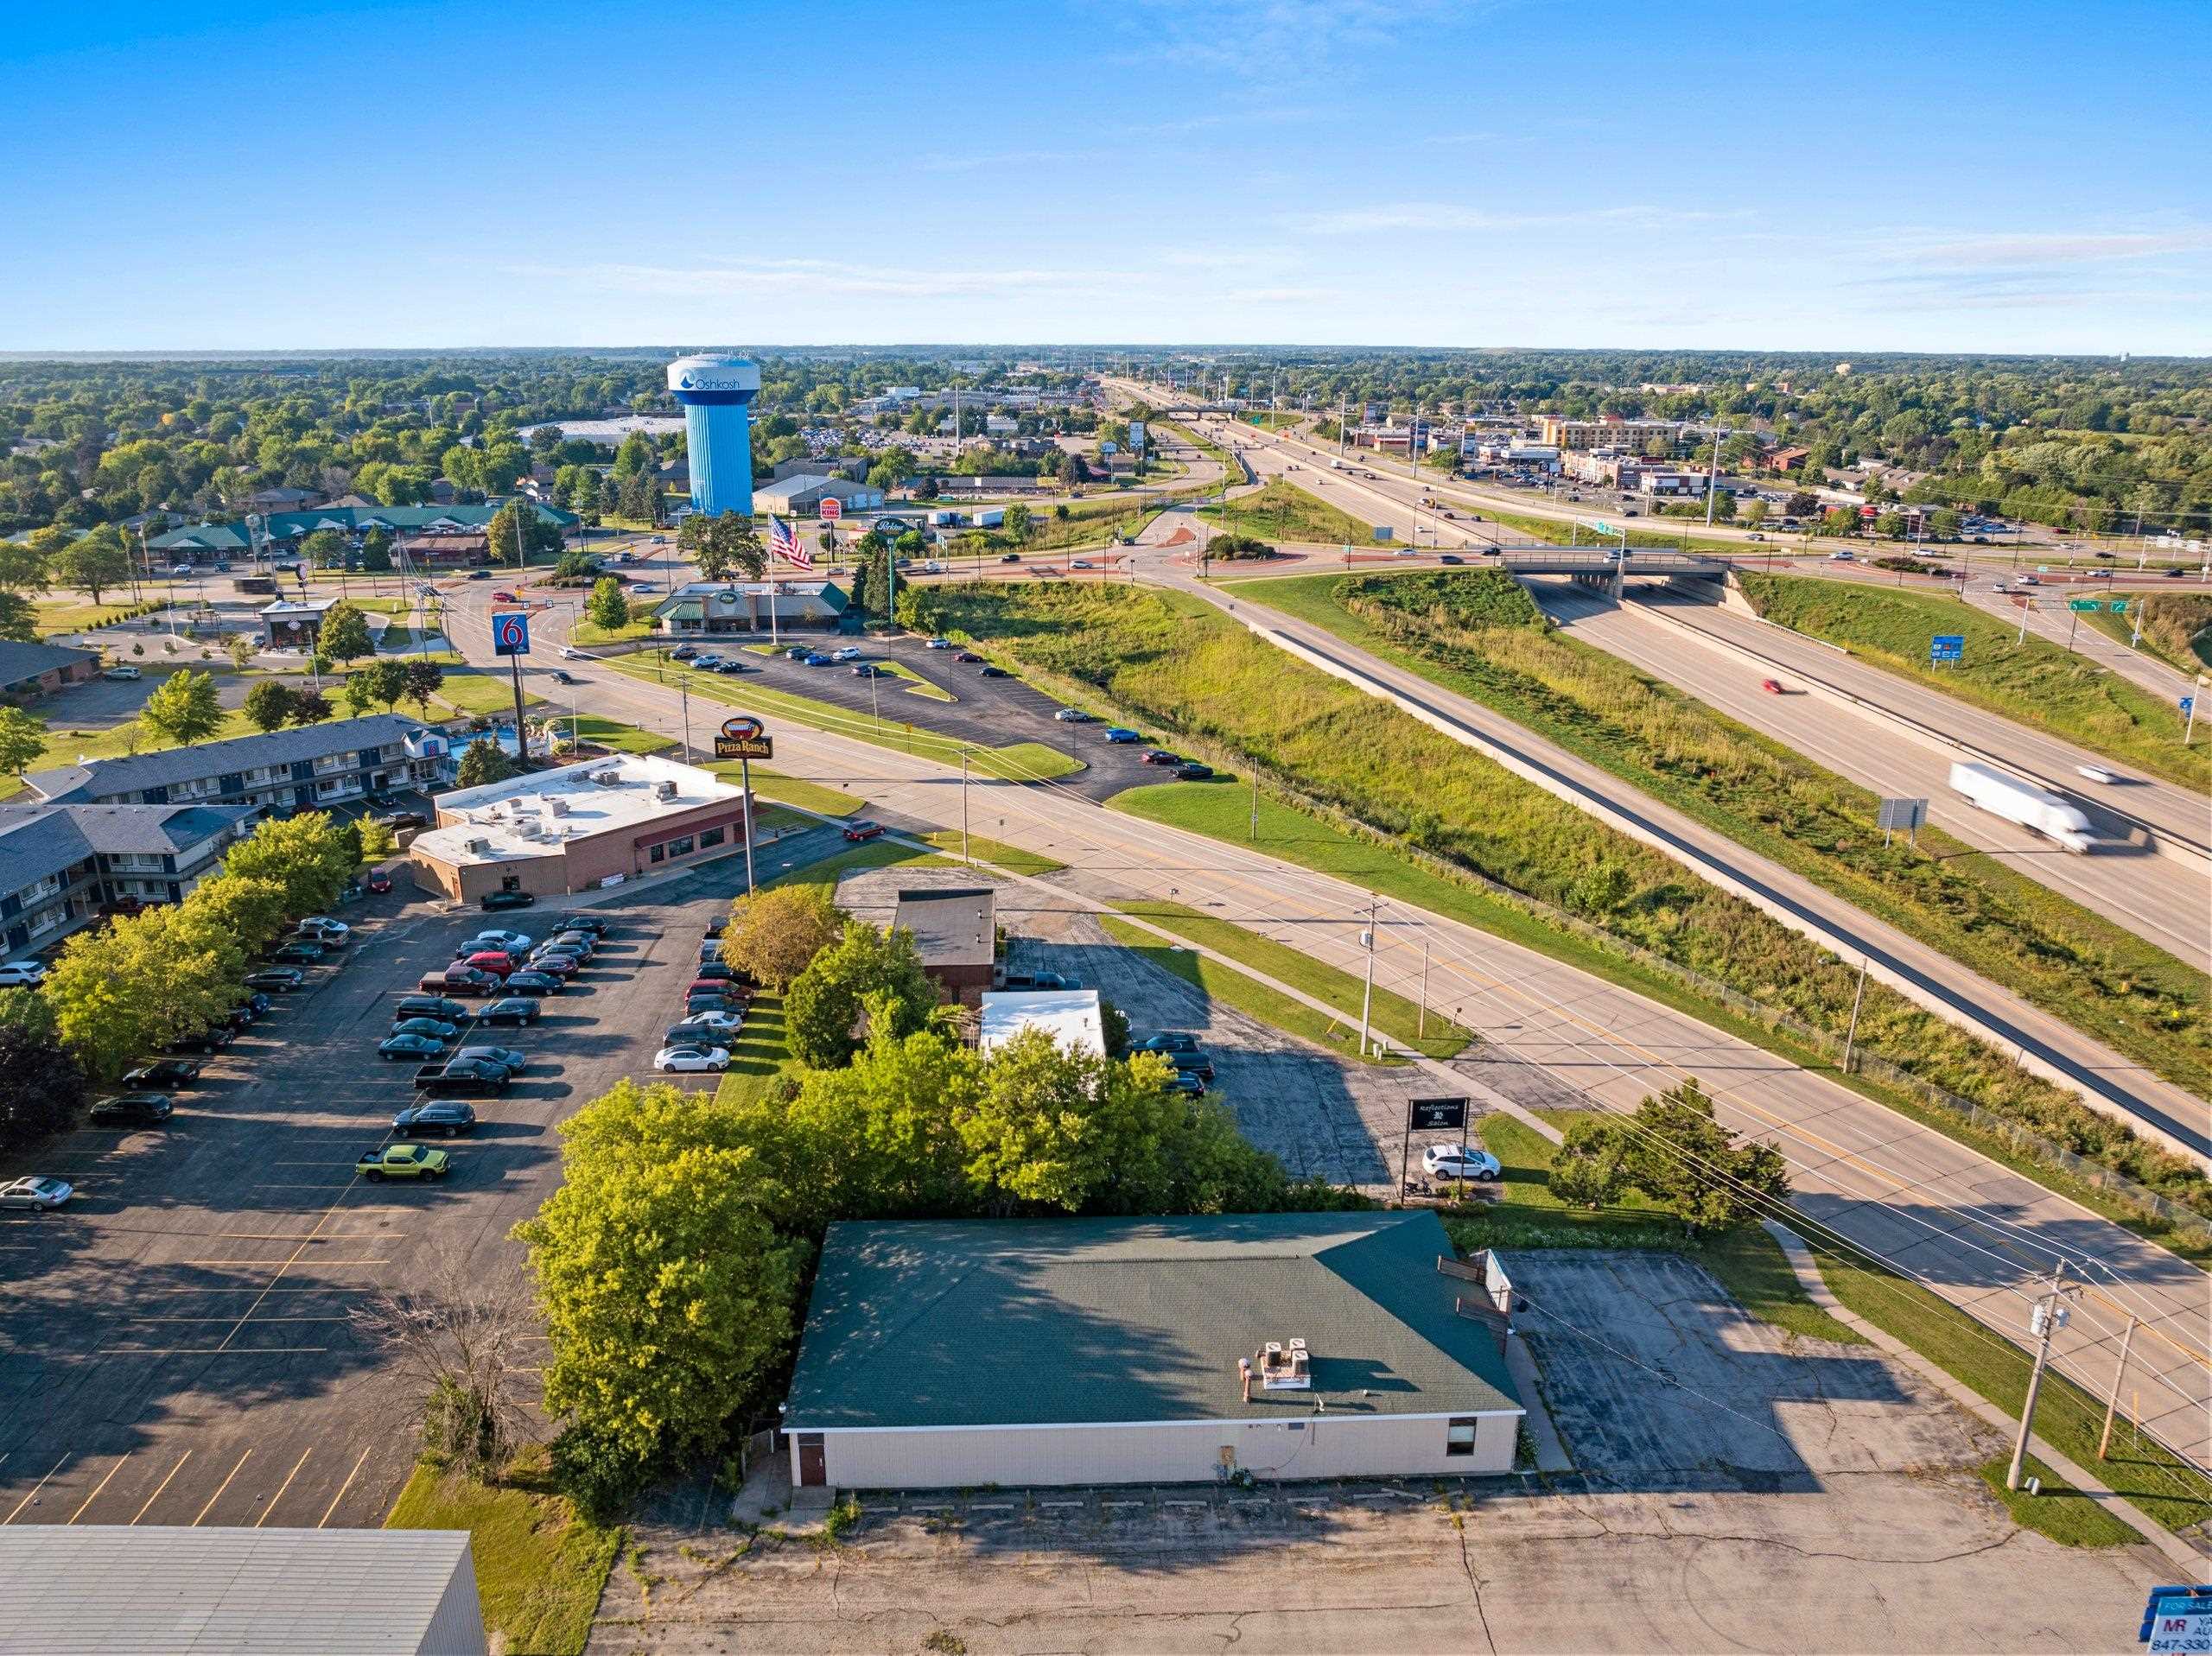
[532, 982]
[989, 671]
[212, 1039]
[1073, 716]
[799, 652]
[598, 924]
[1192, 770]
[22, 974]
[443, 1009]
[1120, 737]
[1169, 1041]
[496, 963]
[514, 942]
[442, 1117]
[716, 970]
[582, 944]
[430, 1029]
[401, 819]
[132, 1110]
[708, 1023]
[168, 1073]
[861, 830]
[869, 669]
[967, 655]
[299, 953]
[814, 659]
[403, 1162]
[40, 1195]
[492, 902]
[420, 1049]
[517, 1010]
[1460, 1162]
[683, 652]
[553, 964]
[694, 1005]
[1161, 755]
[123, 670]
[849, 652]
[460, 1075]
[457, 980]
[1187, 1083]
[939, 643]
[735, 667]
[687, 1059]
[378, 882]
[508, 1058]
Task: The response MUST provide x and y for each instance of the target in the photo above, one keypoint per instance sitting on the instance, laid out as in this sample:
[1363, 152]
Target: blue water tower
[717, 394]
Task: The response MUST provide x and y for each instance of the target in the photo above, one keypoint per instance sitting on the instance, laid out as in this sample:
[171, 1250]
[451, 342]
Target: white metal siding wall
[457, 1625]
[1336, 1446]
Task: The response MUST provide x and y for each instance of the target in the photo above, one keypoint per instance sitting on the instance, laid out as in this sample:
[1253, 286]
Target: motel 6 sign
[511, 635]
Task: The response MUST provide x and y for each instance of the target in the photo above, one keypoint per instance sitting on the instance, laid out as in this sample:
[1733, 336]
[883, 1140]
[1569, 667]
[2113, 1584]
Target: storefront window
[655, 853]
[712, 836]
[680, 847]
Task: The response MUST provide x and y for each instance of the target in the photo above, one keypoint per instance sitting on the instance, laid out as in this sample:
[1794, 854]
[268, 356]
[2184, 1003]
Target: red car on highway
[1770, 686]
[505, 598]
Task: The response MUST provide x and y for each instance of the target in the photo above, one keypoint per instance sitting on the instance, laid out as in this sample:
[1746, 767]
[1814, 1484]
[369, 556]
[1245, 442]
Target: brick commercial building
[1071, 1351]
[34, 669]
[956, 934]
[596, 823]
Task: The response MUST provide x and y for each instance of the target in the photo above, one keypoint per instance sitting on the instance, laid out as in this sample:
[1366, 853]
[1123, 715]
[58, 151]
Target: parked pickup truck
[404, 1162]
[461, 1076]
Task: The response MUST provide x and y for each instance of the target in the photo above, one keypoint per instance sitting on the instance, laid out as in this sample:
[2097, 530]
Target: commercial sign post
[1430, 1115]
[510, 639]
[1946, 646]
[1906, 814]
[745, 738]
[2177, 1622]
[1136, 438]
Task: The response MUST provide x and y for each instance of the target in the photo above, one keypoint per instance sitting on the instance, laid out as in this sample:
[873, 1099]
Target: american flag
[785, 544]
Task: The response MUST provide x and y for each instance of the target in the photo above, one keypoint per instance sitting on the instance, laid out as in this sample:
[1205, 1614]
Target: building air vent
[558, 806]
[1285, 1368]
[478, 847]
[663, 790]
[607, 778]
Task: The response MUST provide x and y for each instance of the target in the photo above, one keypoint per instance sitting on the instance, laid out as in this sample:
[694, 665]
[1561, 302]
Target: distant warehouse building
[116, 1589]
[1182, 1350]
[801, 495]
[597, 823]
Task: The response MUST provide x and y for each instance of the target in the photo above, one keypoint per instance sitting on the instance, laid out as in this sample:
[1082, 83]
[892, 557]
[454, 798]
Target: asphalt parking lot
[175, 1348]
[988, 712]
[1739, 1490]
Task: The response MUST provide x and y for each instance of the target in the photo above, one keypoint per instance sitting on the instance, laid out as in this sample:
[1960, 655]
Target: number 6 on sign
[511, 635]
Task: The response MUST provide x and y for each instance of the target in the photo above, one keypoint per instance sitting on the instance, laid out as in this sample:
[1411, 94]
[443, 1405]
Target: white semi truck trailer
[2032, 808]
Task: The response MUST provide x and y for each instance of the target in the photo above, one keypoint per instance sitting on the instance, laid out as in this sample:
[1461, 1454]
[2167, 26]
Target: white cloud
[2042, 248]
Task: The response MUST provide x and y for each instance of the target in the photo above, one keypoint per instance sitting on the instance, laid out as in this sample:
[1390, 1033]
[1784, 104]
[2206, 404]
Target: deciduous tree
[823, 1010]
[269, 704]
[775, 934]
[185, 709]
[345, 634]
[609, 610]
[23, 738]
[310, 857]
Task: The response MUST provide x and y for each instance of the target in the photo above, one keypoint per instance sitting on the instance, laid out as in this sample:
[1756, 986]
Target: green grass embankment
[1283, 511]
[1478, 632]
[1172, 663]
[2036, 682]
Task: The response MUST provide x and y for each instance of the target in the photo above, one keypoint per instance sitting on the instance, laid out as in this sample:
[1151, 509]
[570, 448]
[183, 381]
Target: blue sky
[1938, 176]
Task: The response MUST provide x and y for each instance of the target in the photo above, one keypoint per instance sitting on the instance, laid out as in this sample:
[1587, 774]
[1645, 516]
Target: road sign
[1907, 813]
[2119, 607]
[1136, 436]
[2085, 604]
[1947, 646]
[744, 737]
[2188, 704]
[1383, 531]
[1437, 1114]
[830, 510]
[1109, 449]
[511, 635]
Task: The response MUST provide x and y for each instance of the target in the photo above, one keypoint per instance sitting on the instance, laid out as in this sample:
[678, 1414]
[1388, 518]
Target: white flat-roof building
[599, 822]
[1070, 1017]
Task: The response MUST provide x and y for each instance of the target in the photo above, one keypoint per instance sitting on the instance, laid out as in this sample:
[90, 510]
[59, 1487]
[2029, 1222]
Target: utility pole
[683, 695]
[2112, 1402]
[1713, 477]
[1422, 1023]
[1850, 1036]
[1253, 834]
[1367, 996]
[964, 857]
[2050, 1317]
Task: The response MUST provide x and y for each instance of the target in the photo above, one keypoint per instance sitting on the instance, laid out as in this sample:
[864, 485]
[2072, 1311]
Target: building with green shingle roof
[1147, 1350]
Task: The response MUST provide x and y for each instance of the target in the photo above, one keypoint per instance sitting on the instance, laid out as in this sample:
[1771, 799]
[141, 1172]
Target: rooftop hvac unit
[663, 790]
[558, 806]
[607, 778]
[478, 847]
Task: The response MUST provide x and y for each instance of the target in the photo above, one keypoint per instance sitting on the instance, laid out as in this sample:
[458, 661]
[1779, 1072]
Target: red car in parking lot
[378, 882]
[858, 831]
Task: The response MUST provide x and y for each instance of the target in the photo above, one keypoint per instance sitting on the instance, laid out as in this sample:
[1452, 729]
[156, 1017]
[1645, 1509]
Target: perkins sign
[744, 737]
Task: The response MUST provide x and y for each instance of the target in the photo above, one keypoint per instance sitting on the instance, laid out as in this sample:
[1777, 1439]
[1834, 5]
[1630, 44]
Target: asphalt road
[175, 1346]
[2164, 899]
[1978, 1234]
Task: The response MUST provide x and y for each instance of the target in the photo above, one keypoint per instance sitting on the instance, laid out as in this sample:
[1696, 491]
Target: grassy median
[2035, 682]
[1283, 511]
[1479, 632]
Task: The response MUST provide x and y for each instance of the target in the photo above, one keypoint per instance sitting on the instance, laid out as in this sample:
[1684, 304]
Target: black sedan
[1161, 755]
[532, 984]
[514, 1008]
[993, 672]
[493, 901]
[281, 979]
[443, 1116]
[132, 1110]
[1192, 770]
[208, 1040]
[168, 1074]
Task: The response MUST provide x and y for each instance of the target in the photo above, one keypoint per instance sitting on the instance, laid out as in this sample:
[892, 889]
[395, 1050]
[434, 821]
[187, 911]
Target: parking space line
[148, 1317]
[162, 1484]
[34, 1489]
[223, 1351]
[97, 1487]
[344, 1487]
[265, 1265]
[270, 1504]
[223, 1485]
